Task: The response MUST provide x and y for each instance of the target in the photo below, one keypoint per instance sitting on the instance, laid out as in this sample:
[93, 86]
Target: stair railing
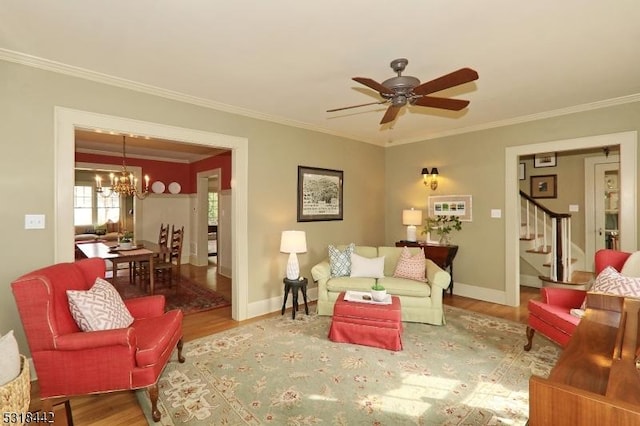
[538, 216]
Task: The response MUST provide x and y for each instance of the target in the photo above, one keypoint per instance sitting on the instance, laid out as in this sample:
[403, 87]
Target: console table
[441, 255]
[595, 380]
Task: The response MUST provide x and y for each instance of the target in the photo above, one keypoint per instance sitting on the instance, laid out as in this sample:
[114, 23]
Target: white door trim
[628, 206]
[67, 120]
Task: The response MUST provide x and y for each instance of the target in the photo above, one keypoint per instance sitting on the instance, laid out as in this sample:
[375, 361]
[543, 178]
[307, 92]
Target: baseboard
[32, 370]
[479, 293]
[274, 304]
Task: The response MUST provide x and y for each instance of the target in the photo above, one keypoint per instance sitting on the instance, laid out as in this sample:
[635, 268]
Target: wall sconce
[411, 218]
[433, 183]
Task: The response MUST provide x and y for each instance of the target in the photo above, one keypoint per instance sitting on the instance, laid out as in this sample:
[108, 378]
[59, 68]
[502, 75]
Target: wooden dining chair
[165, 268]
[141, 269]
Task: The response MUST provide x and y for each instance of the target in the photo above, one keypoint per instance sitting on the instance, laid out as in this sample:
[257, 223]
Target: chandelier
[124, 183]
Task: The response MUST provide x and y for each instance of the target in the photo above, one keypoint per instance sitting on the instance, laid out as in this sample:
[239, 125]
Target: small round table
[294, 286]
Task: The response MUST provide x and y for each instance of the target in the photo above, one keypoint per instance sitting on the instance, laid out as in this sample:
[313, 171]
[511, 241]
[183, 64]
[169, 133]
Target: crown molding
[527, 118]
[58, 67]
[61, 68]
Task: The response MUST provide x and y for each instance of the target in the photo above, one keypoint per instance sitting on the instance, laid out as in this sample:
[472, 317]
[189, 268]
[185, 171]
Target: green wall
[27, 100]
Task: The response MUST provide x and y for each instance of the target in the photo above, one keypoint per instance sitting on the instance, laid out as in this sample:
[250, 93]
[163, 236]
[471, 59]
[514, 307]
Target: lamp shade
[412, 217]
[293, 242]
[425, 171]
[434, 171]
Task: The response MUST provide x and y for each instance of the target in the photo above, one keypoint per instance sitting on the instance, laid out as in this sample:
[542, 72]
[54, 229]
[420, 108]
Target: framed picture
[319, 194]
[451, 205]
[545, 159]
[544, 186]
[521, 171]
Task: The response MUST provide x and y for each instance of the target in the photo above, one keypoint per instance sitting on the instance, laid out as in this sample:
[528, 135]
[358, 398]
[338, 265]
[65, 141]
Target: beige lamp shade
[293, 242]
[411, 218]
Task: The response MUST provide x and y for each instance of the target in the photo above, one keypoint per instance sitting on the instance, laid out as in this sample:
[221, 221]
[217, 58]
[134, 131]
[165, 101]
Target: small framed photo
[521, 171]
[544, 186]
[545, 159]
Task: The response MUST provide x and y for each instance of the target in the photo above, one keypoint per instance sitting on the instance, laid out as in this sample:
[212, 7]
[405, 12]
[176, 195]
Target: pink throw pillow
[410, 267]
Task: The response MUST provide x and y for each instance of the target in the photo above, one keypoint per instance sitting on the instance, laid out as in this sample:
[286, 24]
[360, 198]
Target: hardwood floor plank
[122, 408]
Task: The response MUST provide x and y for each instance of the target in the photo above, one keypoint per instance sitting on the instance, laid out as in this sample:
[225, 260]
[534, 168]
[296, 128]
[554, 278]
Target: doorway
[67, 120]
[628, 207]
[602, 201]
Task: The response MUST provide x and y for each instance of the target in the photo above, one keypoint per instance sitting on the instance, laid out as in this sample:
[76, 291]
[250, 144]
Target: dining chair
[142, 268]
[169, 265]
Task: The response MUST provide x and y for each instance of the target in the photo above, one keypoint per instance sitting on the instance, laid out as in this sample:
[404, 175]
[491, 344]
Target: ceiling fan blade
[372, 84]
[391, 114]
[443, 103]
[461, 76]
[356, 106]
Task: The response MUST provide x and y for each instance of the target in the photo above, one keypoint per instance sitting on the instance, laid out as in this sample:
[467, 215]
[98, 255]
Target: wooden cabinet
[441, 255]
[595, 380]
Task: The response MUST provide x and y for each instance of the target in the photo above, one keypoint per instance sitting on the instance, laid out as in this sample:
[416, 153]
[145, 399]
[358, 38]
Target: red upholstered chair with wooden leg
[551, 316]
[69, 361]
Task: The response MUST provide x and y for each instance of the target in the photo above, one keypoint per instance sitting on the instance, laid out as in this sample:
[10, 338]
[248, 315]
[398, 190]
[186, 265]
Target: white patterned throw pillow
[410, 267]
[340, 260]
[610, 281]
[100, 308]
[9, 358]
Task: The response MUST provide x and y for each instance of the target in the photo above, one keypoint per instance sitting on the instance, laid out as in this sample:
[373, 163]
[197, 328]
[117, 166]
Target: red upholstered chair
[551, 316]
[72, 362]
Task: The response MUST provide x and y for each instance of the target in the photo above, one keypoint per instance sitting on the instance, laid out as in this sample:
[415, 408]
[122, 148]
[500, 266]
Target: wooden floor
[122, 408]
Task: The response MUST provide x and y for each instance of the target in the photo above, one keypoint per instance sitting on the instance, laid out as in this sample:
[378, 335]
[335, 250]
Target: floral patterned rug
[281, 371]
[187, 295]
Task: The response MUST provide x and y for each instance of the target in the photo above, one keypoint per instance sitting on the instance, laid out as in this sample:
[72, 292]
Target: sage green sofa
[421, 301]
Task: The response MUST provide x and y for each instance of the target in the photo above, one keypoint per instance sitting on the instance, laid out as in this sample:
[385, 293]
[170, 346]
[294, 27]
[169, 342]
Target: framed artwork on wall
[521, 171]
[450, 205]
[319, 194]
[544, 186]
[545, 159]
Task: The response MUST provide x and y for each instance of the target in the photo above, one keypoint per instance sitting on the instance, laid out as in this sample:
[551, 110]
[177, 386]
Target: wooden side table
[294, 286]
[441, 255]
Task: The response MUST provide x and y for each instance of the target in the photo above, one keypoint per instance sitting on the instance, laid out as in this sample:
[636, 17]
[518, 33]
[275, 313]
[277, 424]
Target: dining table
[116, 254]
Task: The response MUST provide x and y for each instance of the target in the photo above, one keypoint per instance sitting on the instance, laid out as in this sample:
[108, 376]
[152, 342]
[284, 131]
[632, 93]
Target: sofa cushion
[340, 260]
[410, 267]
[338, 284]
[99, 308]
[365, 267]
[405, 287]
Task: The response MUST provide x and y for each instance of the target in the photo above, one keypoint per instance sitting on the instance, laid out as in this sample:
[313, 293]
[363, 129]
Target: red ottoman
[367, 324]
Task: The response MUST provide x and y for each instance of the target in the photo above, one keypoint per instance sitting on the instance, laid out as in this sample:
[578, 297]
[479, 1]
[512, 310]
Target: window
[108, 208]
[82, 205]
[213, 208]
[90, 208]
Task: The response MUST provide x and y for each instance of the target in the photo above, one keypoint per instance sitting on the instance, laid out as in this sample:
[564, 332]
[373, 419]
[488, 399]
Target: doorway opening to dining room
[68, 121]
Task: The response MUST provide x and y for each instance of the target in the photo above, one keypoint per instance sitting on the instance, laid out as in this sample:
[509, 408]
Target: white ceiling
[290, 61]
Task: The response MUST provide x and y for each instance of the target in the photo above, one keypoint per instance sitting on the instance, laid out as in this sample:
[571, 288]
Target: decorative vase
[445, 240]
[379, 295]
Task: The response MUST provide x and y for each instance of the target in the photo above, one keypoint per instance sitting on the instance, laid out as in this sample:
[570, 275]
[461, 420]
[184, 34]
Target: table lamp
[293, 242]
[411, 218]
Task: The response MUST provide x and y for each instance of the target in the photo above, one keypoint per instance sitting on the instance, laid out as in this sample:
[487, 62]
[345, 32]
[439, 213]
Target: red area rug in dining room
[187, 295]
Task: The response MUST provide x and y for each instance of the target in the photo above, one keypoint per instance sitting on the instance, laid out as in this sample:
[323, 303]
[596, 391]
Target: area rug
[472, 371]
[187, 295]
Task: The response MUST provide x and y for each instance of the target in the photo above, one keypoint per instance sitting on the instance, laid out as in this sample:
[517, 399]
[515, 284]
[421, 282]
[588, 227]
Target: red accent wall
[167, 172]
[221, 161]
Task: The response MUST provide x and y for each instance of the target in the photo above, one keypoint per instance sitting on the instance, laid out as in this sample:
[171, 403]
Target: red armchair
[551, 316]
[72, 362]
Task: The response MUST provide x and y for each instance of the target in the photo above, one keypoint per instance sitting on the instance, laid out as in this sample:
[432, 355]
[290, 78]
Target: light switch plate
[33, 221]
[574, 208]
[496, 213]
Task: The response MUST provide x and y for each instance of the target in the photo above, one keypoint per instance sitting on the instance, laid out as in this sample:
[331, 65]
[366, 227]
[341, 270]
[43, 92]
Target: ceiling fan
[403, 89]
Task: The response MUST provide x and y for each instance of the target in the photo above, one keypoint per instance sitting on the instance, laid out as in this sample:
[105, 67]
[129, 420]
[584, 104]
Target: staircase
[547, 255]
